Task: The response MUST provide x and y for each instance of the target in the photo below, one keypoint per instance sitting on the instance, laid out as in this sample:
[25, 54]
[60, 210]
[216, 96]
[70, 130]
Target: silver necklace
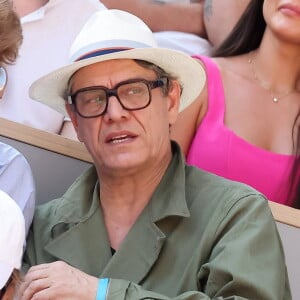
[274, 95]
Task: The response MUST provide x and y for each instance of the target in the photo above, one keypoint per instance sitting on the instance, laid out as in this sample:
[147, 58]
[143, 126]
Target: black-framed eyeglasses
[134, 94]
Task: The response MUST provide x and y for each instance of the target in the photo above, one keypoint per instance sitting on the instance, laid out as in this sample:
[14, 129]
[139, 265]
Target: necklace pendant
[275, 99]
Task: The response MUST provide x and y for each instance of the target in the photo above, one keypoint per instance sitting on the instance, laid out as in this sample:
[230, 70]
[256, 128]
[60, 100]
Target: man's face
[122, 140]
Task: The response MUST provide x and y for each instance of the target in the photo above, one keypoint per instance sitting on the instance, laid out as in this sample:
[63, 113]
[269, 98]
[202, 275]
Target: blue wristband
[102, 289]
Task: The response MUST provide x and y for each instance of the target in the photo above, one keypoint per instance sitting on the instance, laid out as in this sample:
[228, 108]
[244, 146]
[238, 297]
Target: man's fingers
[30, 289]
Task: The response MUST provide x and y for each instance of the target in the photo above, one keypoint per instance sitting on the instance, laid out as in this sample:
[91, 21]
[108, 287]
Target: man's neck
[25, 7]
[124, 196]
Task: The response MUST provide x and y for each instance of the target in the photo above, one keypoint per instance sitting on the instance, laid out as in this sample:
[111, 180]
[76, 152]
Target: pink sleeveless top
[217, 149]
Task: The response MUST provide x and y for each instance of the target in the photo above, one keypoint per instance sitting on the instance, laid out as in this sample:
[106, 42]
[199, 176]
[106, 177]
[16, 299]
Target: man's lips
[121, 137]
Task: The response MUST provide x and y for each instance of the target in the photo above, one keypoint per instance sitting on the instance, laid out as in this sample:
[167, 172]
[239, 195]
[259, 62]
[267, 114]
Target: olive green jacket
[200, 237]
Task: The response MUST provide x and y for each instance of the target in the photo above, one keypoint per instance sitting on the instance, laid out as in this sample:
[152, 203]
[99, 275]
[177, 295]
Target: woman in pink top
[245, 124]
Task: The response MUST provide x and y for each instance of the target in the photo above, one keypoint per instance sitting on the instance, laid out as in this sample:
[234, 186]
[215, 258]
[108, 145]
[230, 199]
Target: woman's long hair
[247, 33]
[246, 36]
[295, 174]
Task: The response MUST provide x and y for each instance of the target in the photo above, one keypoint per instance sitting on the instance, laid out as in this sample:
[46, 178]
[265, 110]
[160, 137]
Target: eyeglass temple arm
[69, 100]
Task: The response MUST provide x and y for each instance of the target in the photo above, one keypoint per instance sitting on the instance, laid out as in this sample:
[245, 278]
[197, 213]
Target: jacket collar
[80, 238]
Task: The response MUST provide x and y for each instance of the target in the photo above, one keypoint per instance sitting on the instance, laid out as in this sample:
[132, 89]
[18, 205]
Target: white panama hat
[12, 237]
[115, 34]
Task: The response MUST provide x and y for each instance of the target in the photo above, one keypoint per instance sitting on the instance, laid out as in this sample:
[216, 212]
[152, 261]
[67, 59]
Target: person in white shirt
[16, 179]
[15, 173]
[49, 27]
[194, 27]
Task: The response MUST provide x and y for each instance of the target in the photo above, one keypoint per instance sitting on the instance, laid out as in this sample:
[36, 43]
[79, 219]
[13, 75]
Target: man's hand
[57, 281]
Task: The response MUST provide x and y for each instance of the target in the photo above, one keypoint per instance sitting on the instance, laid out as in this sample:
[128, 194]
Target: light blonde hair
[10, 290]
[10, 33]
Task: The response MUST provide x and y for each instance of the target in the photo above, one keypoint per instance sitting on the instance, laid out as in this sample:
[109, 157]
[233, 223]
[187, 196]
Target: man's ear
[72, 114]
[174, 101]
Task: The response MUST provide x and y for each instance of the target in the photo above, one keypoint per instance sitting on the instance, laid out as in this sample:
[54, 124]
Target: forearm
[179, 17]
[161, 16]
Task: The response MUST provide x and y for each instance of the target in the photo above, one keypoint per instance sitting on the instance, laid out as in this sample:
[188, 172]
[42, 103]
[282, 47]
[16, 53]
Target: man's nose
[115, 110]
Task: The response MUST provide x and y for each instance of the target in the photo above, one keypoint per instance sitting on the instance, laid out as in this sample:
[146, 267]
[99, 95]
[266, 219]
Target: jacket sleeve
[38, 235]
[29, 255]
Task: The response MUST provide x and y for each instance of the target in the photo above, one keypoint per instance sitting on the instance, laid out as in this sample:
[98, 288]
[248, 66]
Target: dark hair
[295, 177]
[246, 36]
[247, 33]
[160, 73]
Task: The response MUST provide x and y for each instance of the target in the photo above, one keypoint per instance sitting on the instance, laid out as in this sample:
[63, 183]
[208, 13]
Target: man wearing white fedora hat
[46, 24]
[141, 224]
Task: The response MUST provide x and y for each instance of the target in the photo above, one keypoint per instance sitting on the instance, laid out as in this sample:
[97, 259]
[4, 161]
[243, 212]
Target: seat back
[288, 224]
[55, 161]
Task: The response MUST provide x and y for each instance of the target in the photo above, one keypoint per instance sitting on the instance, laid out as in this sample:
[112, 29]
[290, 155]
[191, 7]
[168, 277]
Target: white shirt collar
[34, 16]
